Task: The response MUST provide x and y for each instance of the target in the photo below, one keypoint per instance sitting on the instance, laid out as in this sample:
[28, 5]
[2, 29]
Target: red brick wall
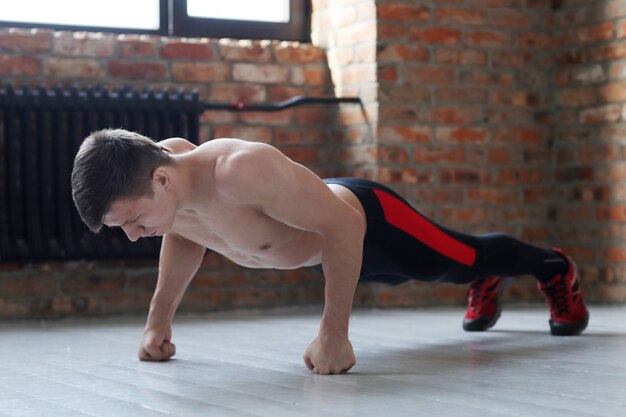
[590, 139]
[464, 89]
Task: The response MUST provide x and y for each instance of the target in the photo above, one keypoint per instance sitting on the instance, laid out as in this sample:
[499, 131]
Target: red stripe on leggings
[406, 219]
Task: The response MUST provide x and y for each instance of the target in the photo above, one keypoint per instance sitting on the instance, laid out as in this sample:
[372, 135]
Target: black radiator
[40, 132]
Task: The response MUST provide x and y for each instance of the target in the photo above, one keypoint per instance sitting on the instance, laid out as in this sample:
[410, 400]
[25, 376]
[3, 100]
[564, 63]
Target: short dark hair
[112, 164]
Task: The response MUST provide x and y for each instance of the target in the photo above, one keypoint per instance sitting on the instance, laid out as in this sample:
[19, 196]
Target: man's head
[113, 165]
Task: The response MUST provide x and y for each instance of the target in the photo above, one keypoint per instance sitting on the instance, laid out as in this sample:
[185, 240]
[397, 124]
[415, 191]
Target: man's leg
[402, 244]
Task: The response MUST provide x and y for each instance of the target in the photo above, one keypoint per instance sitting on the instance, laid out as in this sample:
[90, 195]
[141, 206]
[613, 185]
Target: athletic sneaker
[483, 307]
[568, 314]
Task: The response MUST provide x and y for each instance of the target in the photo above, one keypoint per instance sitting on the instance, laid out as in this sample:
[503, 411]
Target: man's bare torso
[243, 233]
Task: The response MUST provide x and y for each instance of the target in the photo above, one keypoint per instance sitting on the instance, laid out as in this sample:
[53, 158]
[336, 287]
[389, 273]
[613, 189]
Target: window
[243, 19]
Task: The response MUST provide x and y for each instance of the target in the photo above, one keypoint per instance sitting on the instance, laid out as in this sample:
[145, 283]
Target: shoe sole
[482, 323]
[568, 329]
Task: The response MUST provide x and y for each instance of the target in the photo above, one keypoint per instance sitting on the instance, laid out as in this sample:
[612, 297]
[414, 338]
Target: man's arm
[260, 175]
[179, 261]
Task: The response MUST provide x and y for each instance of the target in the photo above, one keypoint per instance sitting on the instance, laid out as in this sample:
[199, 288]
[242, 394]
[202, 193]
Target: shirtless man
[252, 204]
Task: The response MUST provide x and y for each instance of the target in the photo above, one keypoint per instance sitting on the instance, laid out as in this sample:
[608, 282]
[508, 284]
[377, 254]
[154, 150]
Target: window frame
[174, 21]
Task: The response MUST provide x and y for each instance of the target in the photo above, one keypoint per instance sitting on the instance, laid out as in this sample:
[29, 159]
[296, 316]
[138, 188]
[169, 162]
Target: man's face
[142, 217]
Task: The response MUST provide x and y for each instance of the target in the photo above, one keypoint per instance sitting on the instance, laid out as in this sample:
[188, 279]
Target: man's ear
[160, 177]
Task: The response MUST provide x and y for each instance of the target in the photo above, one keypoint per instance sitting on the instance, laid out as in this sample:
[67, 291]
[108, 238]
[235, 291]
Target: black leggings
[401, 244]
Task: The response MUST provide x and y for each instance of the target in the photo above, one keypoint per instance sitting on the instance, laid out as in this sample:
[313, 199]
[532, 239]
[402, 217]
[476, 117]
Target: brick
[25, 41]
[601, 32]
[576, 173]
[396, 11]
[283, 92]
[522, 136]
[199, 72]
[450, 16]
[312, 115]
[489, 39]
[577, 97]
[75, 68]
[515, 98]
[302, 155]
[461, 96]
[392, 154]
[402, 53]
[595, 74]
[463, 176]
[455, 116]
[498, 156]
[491, 195]
[364, 54]
[19, 65]
[403, 112]
[512, 19]
[535, 40]
[358, 155]
[316, 77]
[387, 72]
[10, 308]
[448, 293]
[508, 59]
[435, 36]
[230, 92]
[481, 77]
[473, 215]
[84, 44]
[462, 135]
[404, 175]
[473, 57]
[187, 50]
[612, 92]
[388, 31]
[244, 50]
[404, 92]
[518, 176]
[402, 133]
[260, 73]
[606, 53]
[357, 33]
[603, 114]
[439, 155]
[429, 75]
[590, 193]
[611, 293]
[511, 115]
[137, 49]
[138, 70]
[296, 53]
[615, 213]
[279, 118]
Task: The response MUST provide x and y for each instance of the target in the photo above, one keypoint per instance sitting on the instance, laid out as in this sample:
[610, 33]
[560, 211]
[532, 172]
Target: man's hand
[329, 355]
[156, 345]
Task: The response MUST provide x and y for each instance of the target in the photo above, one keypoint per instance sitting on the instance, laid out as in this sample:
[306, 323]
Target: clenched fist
[156, 345]
[329, 355]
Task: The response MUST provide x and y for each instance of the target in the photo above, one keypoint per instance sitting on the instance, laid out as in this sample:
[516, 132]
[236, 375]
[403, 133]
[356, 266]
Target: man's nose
[132, 232]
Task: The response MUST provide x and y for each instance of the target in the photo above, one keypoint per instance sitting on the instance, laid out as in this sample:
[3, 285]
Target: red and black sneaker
[483, 306]
[568, 314]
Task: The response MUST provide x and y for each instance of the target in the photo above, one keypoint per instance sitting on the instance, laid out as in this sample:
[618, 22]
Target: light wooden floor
[410, 363]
